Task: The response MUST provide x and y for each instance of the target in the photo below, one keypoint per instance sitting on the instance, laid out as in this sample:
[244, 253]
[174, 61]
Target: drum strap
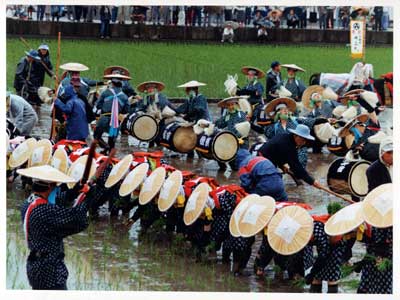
[251, 164]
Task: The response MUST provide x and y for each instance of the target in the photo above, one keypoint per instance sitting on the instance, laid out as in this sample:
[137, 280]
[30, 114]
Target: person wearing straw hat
[273, 80]
[259, 176]
[27, 78]
[381, 170]
[21, 113]
[46, 225]
[75, 110]
[111, 104]
[44, 66]
[376, 268]
[126, 87]
[282, 110]
[195, 106]
[295, 85]
[282, 149]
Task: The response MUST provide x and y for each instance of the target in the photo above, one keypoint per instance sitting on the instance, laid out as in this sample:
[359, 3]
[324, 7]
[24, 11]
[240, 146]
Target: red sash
[37, 202]
[191, 184]
[251, 164]
[232, 189]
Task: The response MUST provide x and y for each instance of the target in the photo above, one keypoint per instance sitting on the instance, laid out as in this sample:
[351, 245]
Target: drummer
[295, 85]
[318, 107]
[111, 103]
[381, 170]
[153, 101]
[195, 106]
[282, 149]
[126, 86]
[253, 88]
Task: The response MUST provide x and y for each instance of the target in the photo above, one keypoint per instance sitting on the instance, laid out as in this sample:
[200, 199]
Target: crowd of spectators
[261, 17]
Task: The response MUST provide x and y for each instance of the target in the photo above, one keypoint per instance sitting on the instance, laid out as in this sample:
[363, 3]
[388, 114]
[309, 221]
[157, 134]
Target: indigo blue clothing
[27, 74]
[264, 179]
[161, 102]
[194, 109]
[296, 87]
[41, 70]
[229, 120]
[127, 88]
[272, 81]
[253, 89]
[86, 83]
[280, 150]
[104, 104]
[75, 109]
[325, 111]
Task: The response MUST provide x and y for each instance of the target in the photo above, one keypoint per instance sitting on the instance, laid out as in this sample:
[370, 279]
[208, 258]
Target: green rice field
[176, 63]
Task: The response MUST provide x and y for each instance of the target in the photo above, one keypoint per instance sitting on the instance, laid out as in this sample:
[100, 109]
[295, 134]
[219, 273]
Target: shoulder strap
[36, 201]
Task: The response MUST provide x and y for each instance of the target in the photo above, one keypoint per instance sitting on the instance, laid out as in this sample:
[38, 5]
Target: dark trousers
[105, 28]
[293, 24]
[378, 23]
[56, 287]
[40, 12]
[78, 12]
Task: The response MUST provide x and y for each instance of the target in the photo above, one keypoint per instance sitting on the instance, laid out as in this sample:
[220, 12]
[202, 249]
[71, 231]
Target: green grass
[175, 64]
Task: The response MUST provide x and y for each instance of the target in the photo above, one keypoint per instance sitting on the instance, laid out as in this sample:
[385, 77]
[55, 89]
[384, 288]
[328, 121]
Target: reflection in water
[108, 256]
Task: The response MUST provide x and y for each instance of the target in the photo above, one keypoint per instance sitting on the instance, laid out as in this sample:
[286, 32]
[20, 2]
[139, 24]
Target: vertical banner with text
[357, 38]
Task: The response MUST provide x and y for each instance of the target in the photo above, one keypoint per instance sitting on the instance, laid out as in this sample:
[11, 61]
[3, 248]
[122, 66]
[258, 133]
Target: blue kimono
[161, 102]
[296, 87]
[195, 109]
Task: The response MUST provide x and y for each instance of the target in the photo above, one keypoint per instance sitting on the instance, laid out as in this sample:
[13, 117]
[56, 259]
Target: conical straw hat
[119, 170]
[290, 230]
[289, 102]
[257, 216]
[377, 206]
[77, 169]
[192, 83]
[60, 160]
[346, 128]
[237, 214]
[152, 185]
[306, 98]
[133, 179]
[196, 203]
[46, 173]
[293, 66]
[144, 85]
[76, 67]
[170, 190]
[260, 74]
[22, 153]
[345, 220]
[41, 154]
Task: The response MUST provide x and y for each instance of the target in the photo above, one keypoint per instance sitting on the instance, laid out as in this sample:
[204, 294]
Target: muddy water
[109, 256]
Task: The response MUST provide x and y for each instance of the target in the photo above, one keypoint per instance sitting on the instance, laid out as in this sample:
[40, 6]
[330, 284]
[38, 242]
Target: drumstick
[336, 194]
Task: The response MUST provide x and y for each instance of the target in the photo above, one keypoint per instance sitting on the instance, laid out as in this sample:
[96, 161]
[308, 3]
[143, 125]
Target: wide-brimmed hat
[224, 102]
[346, 128]
[256, 216]
[196, 203]
[259, 72]
[22, 153]
[116, 70]
[293, 66]
[46, 173]
[33, 53]
[43, 93]
[290, 230]
[60, 160]
[306, 98]
[192, 83]
[144, 85]
[377, 206]
[119, 171]
[74, 67]
[274, 11]
[303, 131]
[234, 25]
[133, 179]
[238, 212]
[77, 169]
[43, 47]
[117, 76]
[41, 154]
[170, 190]
[345, 220]
[152, 185]
[271, 106]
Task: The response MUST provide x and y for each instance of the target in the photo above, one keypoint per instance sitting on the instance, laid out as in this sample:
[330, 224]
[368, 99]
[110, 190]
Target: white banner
[357, 38]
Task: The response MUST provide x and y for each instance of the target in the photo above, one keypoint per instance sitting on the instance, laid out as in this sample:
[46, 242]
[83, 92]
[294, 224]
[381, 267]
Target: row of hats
[260, 74]
[289, 228]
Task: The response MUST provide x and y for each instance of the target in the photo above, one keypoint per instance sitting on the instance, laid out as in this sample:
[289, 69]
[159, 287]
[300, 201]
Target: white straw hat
[170, 190]
[345, 220]
[22, 153]
[46, 173]
[133, 179]
[119, 171]
[377, 206]
[152, 185]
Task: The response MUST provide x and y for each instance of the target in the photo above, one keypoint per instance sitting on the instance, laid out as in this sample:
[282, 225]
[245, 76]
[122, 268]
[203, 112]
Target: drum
[348, 177]
[262, 118]
[141, 126]
[178, 138]
[340, 146]
[221, 146]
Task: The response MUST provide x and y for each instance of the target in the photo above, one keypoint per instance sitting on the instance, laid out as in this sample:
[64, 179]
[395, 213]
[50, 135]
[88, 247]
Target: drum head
[185, 139]
[144, 128]
[358, 181]
[225, 146]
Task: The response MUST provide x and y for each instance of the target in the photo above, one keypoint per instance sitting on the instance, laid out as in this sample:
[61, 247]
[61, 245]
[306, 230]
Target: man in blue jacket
[75, 110]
